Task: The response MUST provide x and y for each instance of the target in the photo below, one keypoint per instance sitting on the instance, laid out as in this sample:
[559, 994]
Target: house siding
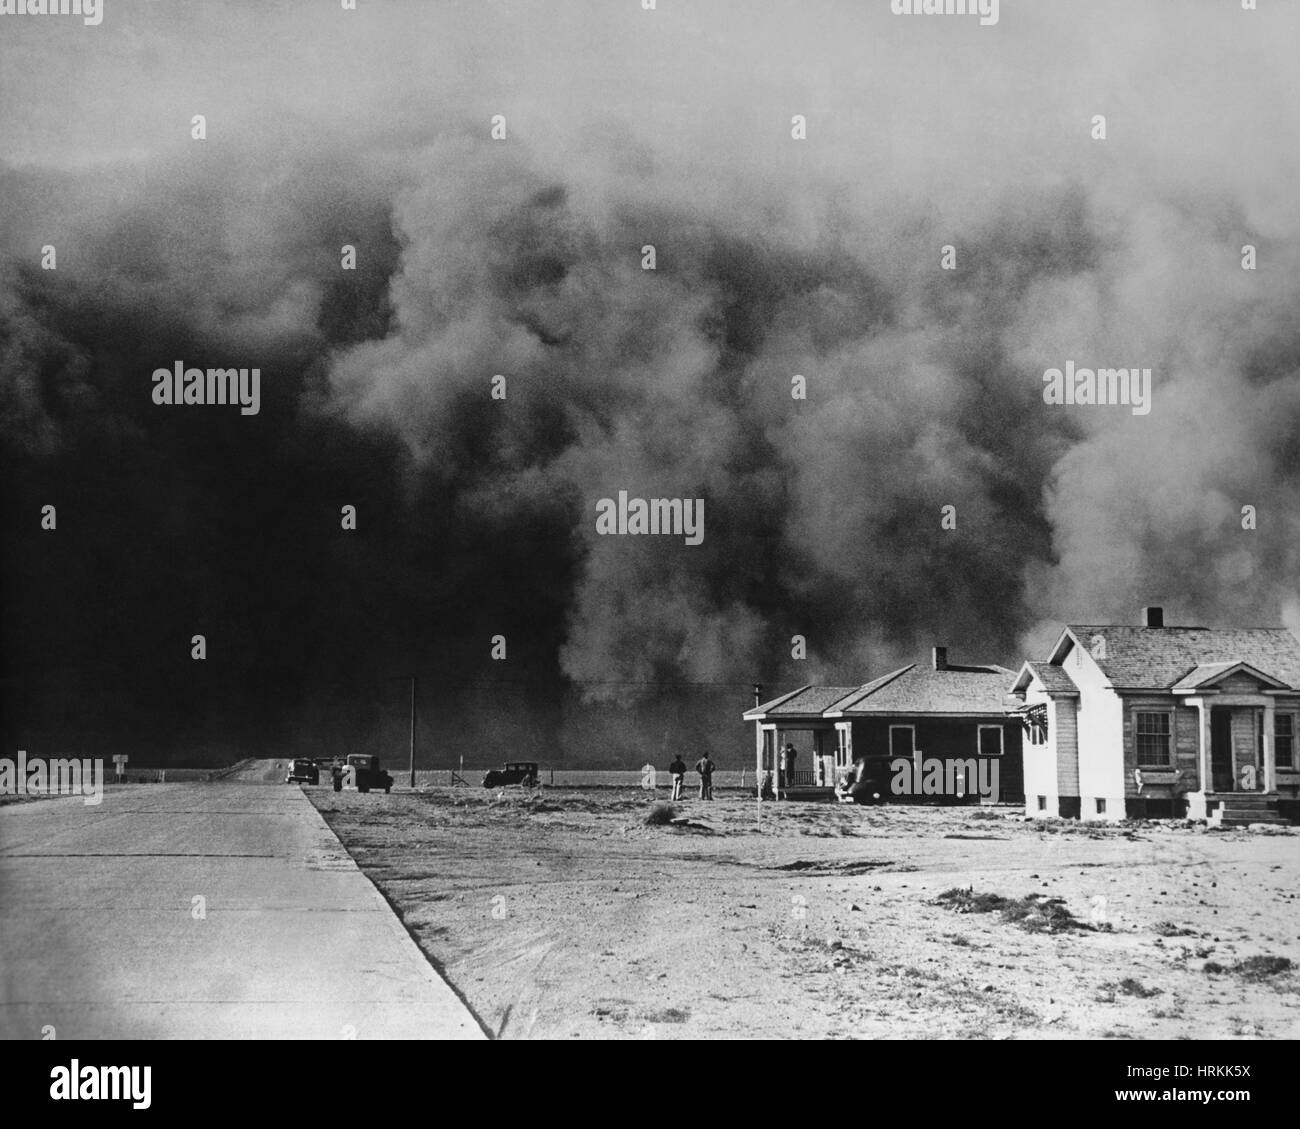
[1065, 722]
[1101, 737]
[948, 739]
[1039, 760]
[1165, 787]
[1288, 779]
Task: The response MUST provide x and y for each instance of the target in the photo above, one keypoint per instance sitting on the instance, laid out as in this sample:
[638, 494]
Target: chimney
[941, 658]
[1153, 617]
[758, 694]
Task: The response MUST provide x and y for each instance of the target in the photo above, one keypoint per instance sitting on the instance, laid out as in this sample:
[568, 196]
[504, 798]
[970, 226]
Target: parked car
[302, 771]
[514, 772]
[362, 772]
[871, 785]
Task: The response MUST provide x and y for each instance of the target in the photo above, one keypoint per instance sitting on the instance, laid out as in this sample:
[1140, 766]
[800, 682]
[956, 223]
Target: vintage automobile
[302, 771]
[362, 772]
[514, 772]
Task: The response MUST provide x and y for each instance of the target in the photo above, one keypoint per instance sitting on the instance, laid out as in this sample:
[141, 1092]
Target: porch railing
[802, 778]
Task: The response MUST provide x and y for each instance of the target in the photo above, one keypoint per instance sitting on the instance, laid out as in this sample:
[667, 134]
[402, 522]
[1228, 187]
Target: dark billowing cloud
[477, 516]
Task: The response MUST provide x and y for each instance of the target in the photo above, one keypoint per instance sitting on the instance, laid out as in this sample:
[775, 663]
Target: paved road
[100, 935]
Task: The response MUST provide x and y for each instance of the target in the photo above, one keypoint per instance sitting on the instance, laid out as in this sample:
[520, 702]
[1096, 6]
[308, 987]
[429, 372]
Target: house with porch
[1154, 721]
[916, 715]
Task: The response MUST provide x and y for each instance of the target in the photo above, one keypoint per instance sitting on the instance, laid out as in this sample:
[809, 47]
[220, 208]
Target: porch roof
[1207, 673]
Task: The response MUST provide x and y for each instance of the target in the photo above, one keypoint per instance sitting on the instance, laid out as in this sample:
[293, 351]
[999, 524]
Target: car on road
[362, 772]
[302, 771]
[514, 772]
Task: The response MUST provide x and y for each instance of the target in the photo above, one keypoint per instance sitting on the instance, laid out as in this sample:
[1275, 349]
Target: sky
[523, 257]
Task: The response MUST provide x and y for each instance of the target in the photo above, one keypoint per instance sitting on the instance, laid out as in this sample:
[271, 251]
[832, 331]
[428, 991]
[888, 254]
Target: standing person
[787, 766]
[704, 766]
[678, 772]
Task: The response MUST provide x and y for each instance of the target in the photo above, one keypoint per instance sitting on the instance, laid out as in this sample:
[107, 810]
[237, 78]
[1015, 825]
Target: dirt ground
[563, 914]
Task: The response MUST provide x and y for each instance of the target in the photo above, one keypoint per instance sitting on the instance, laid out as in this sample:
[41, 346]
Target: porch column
[758, 755]
[1198, 801]
[769, 735]
[1203, 743]
[1270, 767]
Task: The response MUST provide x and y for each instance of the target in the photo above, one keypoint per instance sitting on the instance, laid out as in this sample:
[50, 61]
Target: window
[1284, 740]
[902, 741]
[1042, 803]
[1153, 740]
[1101, 807]
[990, 740]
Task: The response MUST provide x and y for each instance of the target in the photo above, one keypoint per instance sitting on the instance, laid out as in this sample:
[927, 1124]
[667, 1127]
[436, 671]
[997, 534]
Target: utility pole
[758, 750]
[413, 732]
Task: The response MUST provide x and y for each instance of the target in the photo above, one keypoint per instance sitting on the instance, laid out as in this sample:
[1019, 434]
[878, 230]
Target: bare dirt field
[562, 913]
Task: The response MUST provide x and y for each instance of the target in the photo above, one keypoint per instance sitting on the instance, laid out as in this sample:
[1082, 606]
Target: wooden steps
[1241, 809]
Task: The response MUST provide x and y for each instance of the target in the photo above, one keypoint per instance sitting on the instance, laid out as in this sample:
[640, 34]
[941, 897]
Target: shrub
[661, 814]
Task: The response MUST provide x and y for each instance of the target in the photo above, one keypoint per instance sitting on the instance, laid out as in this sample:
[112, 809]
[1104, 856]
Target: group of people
[704, 766]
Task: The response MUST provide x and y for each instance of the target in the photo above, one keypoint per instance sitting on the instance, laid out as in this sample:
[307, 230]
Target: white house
[1163, 721]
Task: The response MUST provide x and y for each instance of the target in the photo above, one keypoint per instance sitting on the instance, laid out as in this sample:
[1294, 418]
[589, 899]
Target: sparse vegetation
[661, 814]
[1254, 968]
[1035, 913]
[1169, 929]
[1131, 987]
[1262, 967]
[667, 1015]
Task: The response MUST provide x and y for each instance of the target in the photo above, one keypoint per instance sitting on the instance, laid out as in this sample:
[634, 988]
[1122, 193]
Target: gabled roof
[807, 701]
[954, 691]
[1054, 678]
[1157, 658]
[1206, 674]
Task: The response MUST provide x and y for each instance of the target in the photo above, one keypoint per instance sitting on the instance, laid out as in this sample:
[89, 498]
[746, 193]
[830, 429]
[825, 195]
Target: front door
[1254, 780]
[1221, 749]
